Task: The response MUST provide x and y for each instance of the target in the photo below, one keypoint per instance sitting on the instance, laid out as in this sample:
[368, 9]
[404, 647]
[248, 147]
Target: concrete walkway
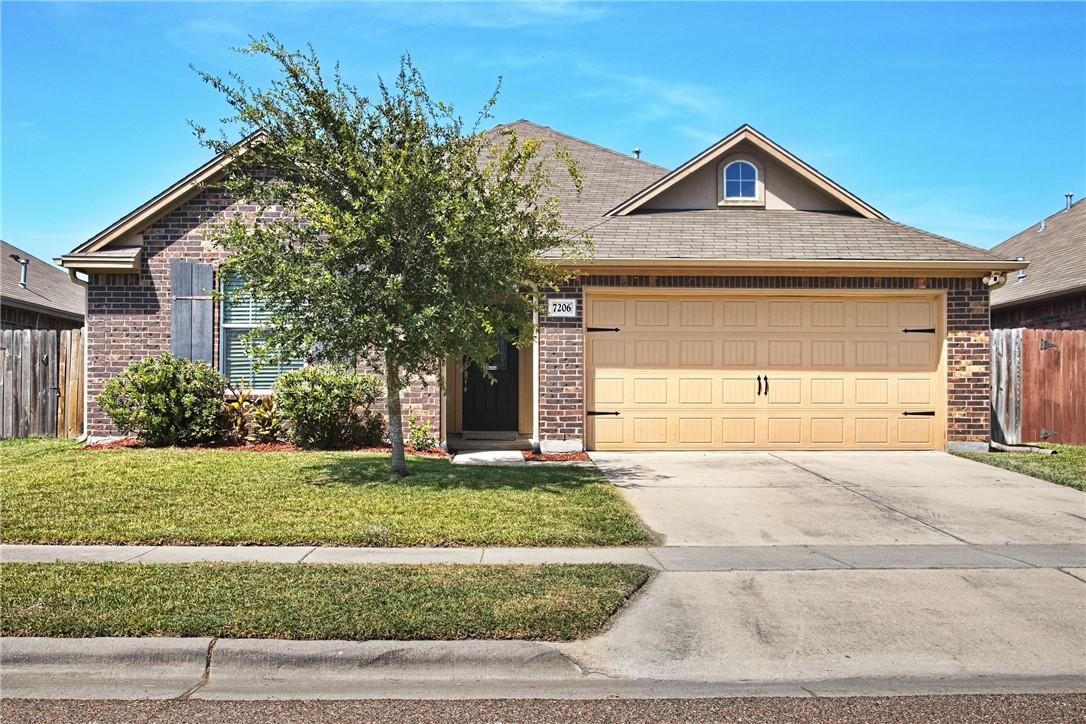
[663, 558]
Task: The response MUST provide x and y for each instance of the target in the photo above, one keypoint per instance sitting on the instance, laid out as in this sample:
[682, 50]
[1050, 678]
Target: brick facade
[1064, 313]
[128, 315]
[561, 345]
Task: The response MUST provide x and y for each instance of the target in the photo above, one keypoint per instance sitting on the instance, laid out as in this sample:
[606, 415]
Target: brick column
[561, 377]
[968, 351]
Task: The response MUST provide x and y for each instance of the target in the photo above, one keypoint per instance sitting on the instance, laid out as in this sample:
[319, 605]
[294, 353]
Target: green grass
[303, 601]
[1068, 467]
[54, 492]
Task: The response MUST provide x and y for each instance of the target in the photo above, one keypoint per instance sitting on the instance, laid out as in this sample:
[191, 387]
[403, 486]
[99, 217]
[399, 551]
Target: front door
[492, 406]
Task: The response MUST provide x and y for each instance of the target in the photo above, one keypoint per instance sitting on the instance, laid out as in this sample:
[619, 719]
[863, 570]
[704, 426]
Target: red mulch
[556, 457]
[259, 447]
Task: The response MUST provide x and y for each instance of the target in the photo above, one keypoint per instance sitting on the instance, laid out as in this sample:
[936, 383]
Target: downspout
[86, 306]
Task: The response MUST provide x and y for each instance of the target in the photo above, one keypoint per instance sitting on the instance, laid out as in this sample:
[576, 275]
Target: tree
[409, 239]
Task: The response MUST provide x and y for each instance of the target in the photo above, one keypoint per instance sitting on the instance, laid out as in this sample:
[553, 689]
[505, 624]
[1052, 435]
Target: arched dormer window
[741, 182]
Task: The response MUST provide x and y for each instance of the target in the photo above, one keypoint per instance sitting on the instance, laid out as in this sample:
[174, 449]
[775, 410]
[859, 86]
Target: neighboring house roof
[615, 208]
[48, 290]
[1056, 252]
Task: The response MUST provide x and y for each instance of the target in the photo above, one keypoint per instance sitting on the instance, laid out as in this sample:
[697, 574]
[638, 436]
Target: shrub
[327, 406]
[166, 400]
[249, 418]
[419, 434]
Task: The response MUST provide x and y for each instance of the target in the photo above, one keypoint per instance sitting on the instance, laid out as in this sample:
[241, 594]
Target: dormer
[746, 170]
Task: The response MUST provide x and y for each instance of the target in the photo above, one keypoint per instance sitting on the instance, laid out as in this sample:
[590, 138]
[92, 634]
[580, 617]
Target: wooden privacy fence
[1039, 386]
[42, 383]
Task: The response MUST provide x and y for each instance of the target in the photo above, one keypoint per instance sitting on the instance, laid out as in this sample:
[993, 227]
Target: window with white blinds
[240, 316]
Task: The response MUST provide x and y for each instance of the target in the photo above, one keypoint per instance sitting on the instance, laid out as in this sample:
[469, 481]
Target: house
[1051, 294]
[34, 294]
[741, 301]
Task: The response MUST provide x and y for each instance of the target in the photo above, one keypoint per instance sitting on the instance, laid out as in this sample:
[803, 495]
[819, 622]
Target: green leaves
[385, 231]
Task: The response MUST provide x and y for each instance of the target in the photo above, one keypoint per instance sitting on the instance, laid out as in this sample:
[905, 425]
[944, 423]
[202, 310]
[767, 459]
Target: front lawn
[53, 492]
[302, 601]
[1068, 467]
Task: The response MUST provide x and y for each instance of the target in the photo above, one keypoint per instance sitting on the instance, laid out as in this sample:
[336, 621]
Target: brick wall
[1063, 313]
[128, 315]
[561, 345]
[561, 377]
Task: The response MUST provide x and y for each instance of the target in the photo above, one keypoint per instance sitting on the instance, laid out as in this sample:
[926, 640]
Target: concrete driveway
[851, 572]
[840, 498]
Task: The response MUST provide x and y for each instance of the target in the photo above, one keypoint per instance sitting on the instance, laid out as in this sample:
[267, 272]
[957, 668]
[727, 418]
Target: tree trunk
[395, 417]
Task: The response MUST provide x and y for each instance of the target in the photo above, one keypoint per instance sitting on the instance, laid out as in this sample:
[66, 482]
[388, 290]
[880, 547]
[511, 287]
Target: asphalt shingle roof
[726, 234]
[48, 289]
[1057, 258]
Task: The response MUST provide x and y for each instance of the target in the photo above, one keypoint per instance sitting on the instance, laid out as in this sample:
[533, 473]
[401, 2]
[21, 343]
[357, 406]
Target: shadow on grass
[345, 469]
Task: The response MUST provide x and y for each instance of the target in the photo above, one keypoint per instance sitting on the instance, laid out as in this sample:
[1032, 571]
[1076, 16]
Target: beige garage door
[713, 371]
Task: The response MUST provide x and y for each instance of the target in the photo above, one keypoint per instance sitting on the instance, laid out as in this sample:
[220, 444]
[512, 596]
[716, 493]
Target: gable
[784, 182]
[783, 189]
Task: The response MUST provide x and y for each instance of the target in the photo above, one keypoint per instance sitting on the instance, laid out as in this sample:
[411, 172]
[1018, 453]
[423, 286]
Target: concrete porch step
[457, 444]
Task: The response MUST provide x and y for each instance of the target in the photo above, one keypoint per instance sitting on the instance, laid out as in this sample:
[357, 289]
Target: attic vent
[637, 153]
[1068, 197]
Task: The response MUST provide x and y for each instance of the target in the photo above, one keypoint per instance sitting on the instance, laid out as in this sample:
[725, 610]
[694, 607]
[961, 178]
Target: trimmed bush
[166, 400]
[327, 407]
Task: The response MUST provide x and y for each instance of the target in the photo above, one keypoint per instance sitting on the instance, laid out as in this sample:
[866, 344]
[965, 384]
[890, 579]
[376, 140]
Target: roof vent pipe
[1042, 226]
[22, 272]
[1021, 272]
[1068, 197]
[637, 154]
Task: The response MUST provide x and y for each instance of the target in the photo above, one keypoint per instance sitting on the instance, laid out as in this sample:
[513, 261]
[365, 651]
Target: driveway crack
[873, 499]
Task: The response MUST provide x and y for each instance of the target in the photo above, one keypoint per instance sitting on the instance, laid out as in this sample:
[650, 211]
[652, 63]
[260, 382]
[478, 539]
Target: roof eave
[102, 264]
[898, 265]
[174, 196]
[1037, 299]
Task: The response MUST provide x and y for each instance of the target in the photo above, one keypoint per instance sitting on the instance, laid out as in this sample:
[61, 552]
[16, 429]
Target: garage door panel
[697, 353]
[683, 372]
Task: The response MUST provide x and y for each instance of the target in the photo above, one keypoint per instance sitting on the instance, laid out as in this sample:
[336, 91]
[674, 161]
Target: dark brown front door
[492, 406]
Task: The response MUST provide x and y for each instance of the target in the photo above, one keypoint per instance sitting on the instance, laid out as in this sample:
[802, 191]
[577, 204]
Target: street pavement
[788, 574]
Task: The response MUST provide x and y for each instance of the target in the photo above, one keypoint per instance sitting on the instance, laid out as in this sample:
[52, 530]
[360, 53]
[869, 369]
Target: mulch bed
[262, 447]
[579, 457]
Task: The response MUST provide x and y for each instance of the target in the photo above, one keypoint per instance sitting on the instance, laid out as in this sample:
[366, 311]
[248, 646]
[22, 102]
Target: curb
[269, 658]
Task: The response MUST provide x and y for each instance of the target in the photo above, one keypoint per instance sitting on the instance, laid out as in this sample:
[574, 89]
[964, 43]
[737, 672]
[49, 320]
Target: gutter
[896, 265]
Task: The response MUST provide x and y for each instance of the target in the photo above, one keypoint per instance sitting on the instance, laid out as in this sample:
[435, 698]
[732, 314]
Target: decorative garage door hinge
[602, 329]
[921, 330]
[1045, 344]
[922, 413]
[593, 413]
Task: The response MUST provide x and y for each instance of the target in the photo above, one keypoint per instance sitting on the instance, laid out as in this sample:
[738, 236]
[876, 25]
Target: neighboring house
[742, 301]
[34, 294]
[1051, 294]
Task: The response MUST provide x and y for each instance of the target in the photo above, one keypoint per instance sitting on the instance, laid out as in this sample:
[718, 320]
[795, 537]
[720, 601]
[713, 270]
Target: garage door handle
[759, 386]
[767, 385]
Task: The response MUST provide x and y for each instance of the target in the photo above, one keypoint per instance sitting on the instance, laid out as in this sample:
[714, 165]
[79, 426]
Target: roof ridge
[583, 142]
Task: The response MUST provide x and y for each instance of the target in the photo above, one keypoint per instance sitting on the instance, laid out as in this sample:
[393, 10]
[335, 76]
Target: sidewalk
[662, 558]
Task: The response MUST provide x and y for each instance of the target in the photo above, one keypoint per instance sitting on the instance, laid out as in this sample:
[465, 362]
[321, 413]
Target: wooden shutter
[192, 311]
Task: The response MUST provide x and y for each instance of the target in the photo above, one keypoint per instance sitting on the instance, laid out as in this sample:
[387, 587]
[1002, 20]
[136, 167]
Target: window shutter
[191, 311]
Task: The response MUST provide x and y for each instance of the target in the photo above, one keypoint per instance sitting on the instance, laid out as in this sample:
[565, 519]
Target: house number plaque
[562, 307]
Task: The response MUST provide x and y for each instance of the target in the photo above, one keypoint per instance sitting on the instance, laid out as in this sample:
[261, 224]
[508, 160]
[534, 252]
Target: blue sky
[965, 119]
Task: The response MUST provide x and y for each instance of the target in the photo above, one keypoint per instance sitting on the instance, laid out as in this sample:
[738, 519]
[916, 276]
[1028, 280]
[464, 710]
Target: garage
[768, 370]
